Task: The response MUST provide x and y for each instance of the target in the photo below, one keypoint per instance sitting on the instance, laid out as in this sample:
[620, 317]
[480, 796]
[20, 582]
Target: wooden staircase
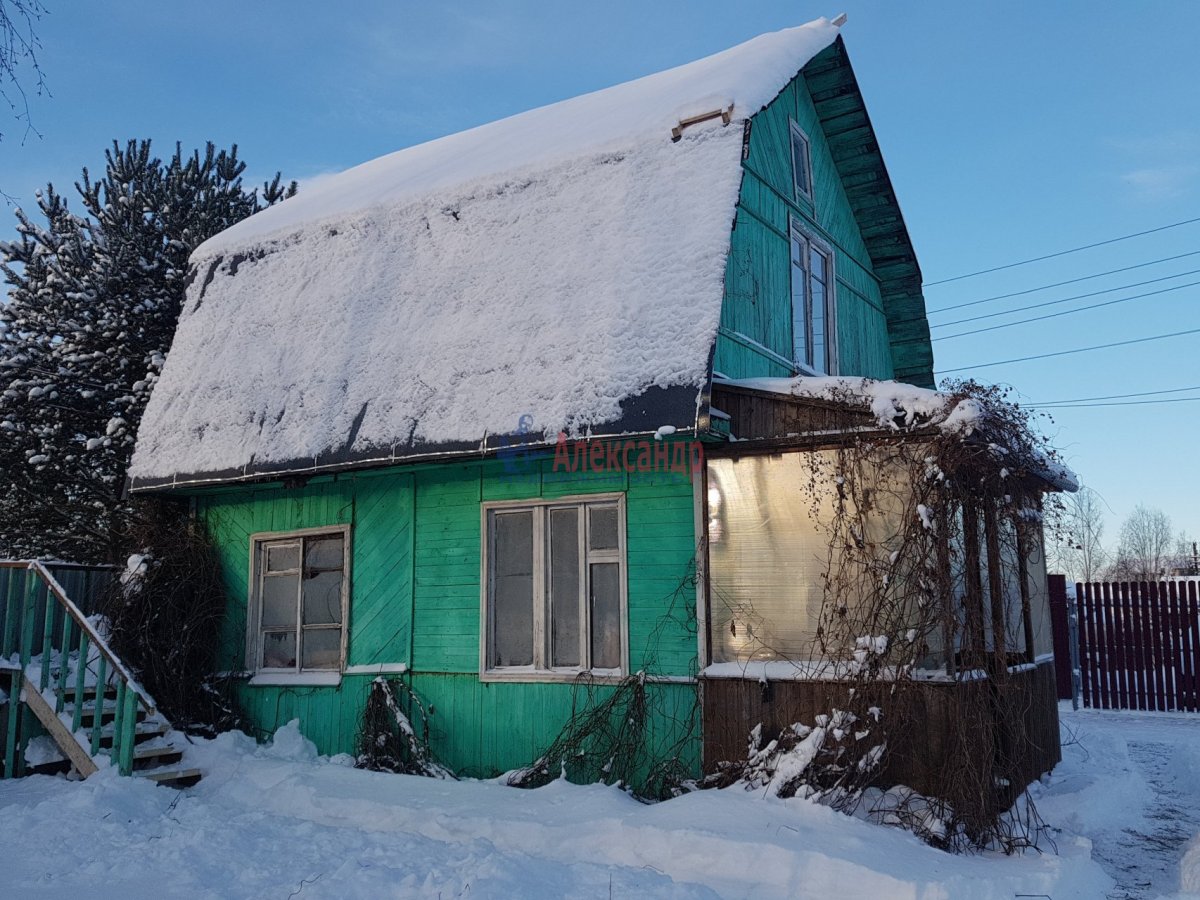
[62, 673]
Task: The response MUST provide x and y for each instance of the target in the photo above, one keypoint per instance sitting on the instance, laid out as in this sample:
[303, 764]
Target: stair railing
[45, 632]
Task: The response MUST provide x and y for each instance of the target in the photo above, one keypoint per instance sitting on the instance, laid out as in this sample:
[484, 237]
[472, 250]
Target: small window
[554, 592]
[801, 164]
[814, 323]
[298, 602]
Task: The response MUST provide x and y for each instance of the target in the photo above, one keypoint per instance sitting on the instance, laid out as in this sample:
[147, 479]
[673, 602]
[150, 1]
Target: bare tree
[19, 65]
[1187, 556]
[1078, 542]
[1144, 551]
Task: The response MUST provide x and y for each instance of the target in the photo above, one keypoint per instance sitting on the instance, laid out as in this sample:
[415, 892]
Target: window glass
[279, 601]
[1039, 602]
[512, 589]
[324, 553]
[322, 648]
[801, 165]
[602, 530]
[770, 549]
[323, 598]
[279, 650]
[564, 587]
[606, 615]
[820, 267]
[800, 316]
[283, 557]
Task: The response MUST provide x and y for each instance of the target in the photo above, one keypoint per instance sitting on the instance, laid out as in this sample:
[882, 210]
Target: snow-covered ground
[278, 821]
[1131, 783]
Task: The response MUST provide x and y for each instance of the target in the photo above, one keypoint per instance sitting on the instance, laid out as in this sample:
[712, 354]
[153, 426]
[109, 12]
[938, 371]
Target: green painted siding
[757, 307]
[415, 599]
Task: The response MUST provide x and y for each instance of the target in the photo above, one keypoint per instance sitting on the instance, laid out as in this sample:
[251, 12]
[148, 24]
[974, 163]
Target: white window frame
[295, 674]
[541, 670]
[808, 243]
[800, 137]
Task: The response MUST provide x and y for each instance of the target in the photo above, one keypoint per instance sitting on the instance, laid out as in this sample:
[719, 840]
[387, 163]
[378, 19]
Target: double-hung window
[554, 588]
[814, 323]
[298, 601]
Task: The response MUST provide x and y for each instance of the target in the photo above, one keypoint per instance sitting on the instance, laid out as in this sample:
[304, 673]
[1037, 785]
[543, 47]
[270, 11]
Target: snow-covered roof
[564, 264]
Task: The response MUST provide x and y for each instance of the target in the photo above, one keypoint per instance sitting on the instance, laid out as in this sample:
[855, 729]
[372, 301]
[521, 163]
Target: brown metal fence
[1138, 644]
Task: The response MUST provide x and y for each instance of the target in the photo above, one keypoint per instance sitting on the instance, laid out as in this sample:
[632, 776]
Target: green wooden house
[451, 416]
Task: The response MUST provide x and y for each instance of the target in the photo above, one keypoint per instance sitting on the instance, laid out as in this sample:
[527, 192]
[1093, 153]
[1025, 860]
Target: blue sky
[1010, 130]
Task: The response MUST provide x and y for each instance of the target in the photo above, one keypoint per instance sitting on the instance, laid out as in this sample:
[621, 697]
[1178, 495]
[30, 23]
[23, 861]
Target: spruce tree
[92, 307]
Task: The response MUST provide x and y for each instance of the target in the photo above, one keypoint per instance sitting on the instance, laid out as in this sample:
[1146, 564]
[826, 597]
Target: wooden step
[56, 767]
[145, 731]
[149, 757]
[107, 714]
[176, 778]
[110, 693]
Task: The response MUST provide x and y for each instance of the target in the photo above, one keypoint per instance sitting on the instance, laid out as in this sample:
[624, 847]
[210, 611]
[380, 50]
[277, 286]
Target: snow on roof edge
[892, 401]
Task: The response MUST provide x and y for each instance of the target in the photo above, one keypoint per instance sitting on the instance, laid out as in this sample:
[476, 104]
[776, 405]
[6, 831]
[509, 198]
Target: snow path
[1143, 843]
[278, 821]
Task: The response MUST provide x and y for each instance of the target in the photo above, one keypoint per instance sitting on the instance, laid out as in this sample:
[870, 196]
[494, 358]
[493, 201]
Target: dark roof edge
[836, 95]
[677, 405]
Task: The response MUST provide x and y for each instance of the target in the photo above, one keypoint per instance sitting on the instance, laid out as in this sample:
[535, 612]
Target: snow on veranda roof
[565, 264]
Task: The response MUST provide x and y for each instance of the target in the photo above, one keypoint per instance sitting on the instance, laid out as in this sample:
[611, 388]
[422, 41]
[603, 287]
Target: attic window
[801, 164]
[814, 307]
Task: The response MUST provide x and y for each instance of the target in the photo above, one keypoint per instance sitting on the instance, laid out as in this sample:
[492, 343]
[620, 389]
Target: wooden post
[47, 639]
[80, 681]
[12, 611]
[26, 654]
[973, 580]
[1089, 636]
[1168, 596]
[1192, 631]
[118, 724]
[101, 675]
[1115, 674]
[10, 733]
[64, 659]
[1085, 674]
[946, 597]
[1060, 629]
[129, 730]
[995, 568]
[1154, 674]
[1019, 529]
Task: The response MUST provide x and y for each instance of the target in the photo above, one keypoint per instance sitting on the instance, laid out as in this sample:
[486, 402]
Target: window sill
[551, 677]
[296, 679]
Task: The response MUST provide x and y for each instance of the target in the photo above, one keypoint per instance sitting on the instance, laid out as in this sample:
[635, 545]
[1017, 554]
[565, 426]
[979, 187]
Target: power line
[1025, 262]
[1001, 362]
[1045, 303]
[1116, 396]
[1065, 312]
[1124, 403]
[1046, 287]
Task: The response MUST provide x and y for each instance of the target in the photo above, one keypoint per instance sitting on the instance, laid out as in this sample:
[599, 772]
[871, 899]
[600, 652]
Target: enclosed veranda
[877, 549]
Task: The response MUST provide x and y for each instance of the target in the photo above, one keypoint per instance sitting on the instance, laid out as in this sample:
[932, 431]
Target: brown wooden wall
[918, 753]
